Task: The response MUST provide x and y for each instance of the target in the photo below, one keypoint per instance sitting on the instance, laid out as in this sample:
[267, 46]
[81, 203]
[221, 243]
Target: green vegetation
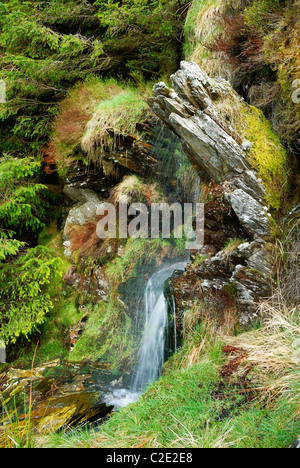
[202, 26]
[25, 274]
[145, 31]
[89, 109]
[24, 300]
[109, 334]
[267, 155]
[194, 404]
[258, 13]
[107, 337]
[43, 55]
[122, 113]
[78, 74]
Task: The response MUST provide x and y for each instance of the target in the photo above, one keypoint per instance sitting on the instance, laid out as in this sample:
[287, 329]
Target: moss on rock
[90, 108]
[267, 155]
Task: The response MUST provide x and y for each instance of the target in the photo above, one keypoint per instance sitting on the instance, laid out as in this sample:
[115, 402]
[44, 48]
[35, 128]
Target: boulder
[60, 394]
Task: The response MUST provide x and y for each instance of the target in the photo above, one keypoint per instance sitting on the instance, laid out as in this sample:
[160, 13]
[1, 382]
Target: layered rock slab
[193, 111]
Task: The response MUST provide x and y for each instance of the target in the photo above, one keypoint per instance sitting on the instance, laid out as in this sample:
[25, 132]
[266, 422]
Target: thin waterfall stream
[152, 349]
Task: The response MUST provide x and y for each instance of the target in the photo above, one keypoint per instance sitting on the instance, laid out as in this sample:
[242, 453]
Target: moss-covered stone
[267, 155]
[53, 396]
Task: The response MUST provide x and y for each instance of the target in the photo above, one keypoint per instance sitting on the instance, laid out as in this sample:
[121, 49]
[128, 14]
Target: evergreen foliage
[24, 273]
[24, 301]
[47, 47]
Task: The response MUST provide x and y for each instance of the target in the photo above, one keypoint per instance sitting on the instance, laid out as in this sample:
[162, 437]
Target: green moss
[140, 251]
[108, 337]
[267, 155]
[89, 109]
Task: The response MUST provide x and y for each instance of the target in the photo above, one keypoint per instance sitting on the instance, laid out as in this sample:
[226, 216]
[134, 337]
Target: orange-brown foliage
[241, 45]
[49, 160]
[85, 241]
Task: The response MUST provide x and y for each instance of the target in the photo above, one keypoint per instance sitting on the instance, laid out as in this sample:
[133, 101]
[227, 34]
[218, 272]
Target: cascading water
[152, 350]
[153, 343]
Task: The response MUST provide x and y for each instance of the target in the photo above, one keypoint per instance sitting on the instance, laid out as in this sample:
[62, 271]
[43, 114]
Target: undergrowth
[90, 108]
[202, 403]
[109, 334]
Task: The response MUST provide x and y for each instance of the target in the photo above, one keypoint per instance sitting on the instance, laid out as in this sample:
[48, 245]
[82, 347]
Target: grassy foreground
[216, 392]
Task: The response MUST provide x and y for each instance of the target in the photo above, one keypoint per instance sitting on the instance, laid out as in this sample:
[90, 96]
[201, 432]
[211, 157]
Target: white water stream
[152, 350]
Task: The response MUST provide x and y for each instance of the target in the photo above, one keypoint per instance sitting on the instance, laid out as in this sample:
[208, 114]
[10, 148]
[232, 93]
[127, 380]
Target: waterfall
[152, 349]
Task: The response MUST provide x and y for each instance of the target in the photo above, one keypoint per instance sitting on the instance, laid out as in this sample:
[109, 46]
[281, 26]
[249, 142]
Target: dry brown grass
[273, 350]
[213, 327]
[289, 264]
[86, 243]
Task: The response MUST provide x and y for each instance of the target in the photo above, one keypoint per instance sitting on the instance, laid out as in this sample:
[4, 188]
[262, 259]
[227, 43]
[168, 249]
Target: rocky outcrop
[118, 153]
[194, 110]
[190, 110]
[238, 279]
[59, 394]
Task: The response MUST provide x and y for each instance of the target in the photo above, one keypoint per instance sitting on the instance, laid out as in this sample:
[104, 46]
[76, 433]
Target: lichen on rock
[233, 145]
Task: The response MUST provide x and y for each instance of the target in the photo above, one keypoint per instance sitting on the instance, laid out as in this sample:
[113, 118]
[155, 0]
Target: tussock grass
[274, 349]
[90, 108]
[133, 189]
[121, 113]
[202, 27]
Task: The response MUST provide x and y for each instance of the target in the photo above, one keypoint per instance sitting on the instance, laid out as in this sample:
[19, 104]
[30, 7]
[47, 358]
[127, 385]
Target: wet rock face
[62, 394]
[253, 216]
[237, 280]
[217, 151]
[192, 111]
